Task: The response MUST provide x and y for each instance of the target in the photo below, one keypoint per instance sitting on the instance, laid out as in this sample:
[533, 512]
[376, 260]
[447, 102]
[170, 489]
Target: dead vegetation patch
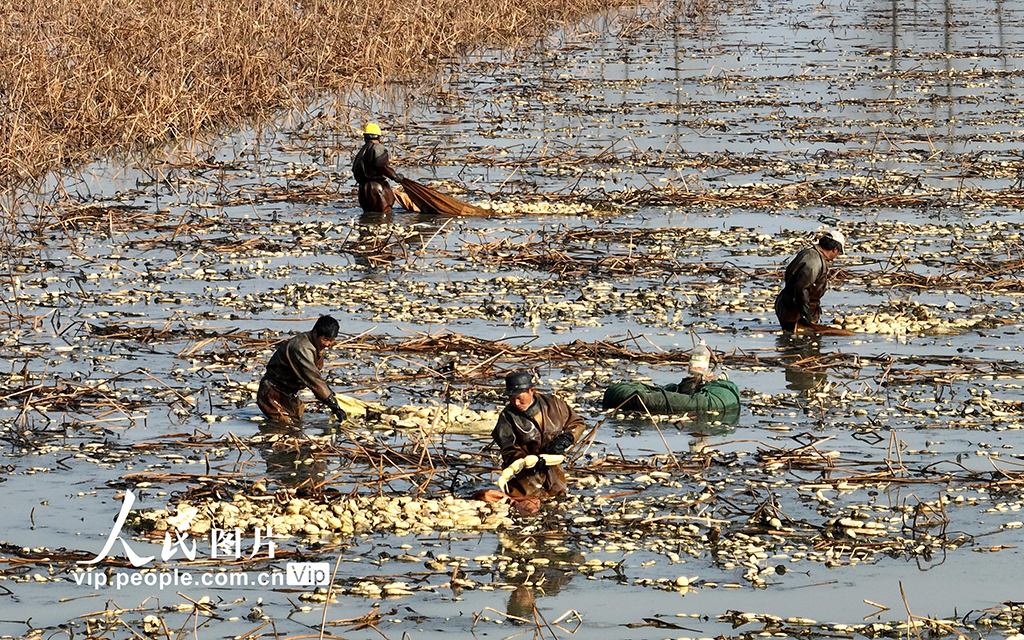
[84, 78]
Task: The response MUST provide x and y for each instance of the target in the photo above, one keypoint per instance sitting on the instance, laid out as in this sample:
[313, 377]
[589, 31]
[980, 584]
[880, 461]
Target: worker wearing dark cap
[296, 365]
[534, 427]
[798, 305]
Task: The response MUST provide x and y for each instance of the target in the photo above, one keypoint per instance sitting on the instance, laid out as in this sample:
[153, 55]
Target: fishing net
[430, 201]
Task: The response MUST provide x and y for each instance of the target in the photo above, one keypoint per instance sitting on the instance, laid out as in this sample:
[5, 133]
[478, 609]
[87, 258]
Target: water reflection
[425, 223]
[705, 426]
[290, 460]
[383, 237]
[375, 218]
[536, 566]
[802, 350]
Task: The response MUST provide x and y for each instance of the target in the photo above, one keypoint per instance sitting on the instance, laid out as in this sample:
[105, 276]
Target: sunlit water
[776, 93]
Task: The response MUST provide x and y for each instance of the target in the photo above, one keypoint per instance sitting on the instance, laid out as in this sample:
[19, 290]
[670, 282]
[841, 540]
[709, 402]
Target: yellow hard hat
[372, 129]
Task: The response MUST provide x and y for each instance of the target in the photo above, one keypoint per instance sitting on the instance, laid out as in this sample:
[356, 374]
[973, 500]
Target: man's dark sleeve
[505, 438]
[382, 162]
[573, 423]
[302, 357]
[803, 278]
[357, 168]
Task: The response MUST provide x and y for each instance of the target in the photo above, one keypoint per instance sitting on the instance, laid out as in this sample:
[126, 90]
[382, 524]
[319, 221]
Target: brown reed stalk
[84, 77]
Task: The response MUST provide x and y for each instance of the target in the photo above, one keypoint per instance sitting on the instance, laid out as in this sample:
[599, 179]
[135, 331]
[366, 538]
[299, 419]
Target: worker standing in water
[297, 365]
[372, 170]
[798, 305]
[533, 432]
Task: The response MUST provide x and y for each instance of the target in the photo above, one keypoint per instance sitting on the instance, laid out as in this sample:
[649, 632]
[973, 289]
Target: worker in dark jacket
[295, 366]
[372, 171]
[799, 302]
[534, 428]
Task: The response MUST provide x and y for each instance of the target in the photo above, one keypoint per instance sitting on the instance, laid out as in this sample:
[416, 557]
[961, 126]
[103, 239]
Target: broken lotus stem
[529, 462]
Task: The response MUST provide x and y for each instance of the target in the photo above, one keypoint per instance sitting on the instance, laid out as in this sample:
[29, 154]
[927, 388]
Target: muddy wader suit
[295, 366]
[522, 433]
[806, 281]
[371, 169]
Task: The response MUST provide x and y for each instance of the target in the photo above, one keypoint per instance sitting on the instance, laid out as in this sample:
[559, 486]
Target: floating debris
[340, 516]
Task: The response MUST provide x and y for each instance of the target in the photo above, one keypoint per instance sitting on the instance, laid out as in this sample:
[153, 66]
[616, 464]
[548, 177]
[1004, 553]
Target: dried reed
[84, 77]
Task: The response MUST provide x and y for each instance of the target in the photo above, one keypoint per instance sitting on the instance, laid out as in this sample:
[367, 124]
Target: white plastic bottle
[700, 359]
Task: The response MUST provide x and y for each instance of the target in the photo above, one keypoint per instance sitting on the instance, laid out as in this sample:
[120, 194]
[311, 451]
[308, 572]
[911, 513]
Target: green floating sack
[722, 396]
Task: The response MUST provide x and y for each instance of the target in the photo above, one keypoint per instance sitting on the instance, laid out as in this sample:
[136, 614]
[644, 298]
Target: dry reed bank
[81, 76]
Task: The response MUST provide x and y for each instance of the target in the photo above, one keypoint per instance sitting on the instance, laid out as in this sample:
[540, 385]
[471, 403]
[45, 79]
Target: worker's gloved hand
[339, 413]
[560, 443]
[399, 177]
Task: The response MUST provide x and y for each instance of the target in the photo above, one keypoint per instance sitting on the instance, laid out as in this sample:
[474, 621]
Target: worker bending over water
[534, 427]
[798, 305]
[296, 365]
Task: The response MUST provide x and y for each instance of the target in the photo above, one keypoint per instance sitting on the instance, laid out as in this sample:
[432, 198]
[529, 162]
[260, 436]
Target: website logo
[304, 574]
[224, 543]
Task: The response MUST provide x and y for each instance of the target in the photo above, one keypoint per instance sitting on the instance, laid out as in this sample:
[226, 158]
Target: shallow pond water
[650, 178]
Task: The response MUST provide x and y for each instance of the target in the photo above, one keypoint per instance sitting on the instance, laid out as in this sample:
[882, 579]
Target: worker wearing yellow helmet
[372, 170]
